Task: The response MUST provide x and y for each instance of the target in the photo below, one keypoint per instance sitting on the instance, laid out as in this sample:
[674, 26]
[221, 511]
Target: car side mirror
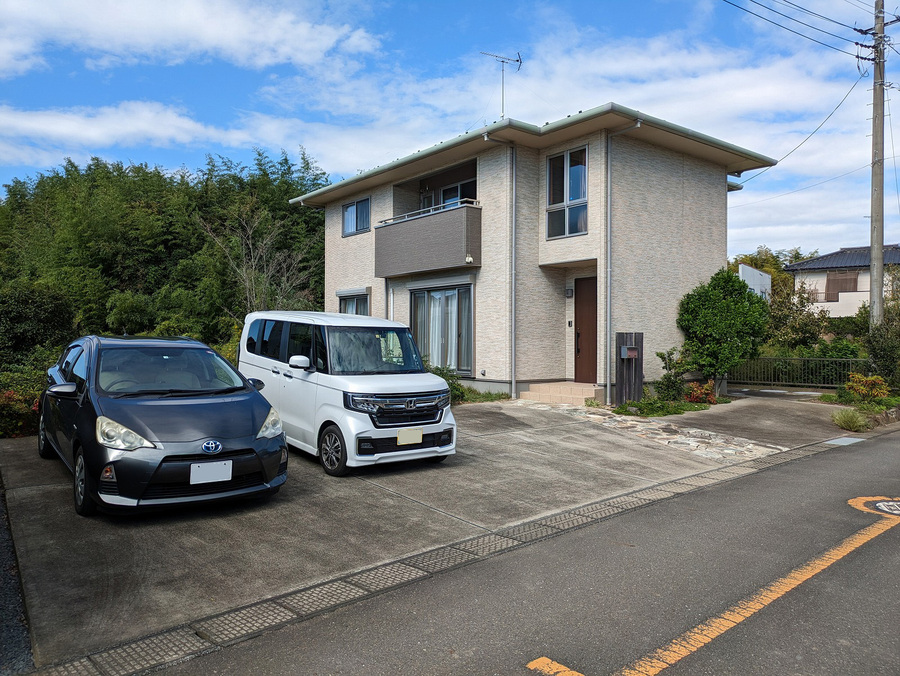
[256, 383]
[299, 362]
[63, 390]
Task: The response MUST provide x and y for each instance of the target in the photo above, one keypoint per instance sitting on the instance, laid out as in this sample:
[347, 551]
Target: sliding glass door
[442, 326]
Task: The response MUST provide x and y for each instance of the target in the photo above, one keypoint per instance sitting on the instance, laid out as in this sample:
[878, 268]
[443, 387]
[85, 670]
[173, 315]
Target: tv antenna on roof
[503, 61]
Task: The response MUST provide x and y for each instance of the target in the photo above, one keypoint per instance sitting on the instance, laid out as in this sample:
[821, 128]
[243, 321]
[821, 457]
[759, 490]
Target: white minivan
[349, 388]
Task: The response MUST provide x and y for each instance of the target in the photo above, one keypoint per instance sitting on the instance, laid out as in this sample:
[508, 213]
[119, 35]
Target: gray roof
[611, 116]
[851, 257]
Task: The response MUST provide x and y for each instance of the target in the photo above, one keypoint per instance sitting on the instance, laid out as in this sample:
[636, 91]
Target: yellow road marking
[694, 639]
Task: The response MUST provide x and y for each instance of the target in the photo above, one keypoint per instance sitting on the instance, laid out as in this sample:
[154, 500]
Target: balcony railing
[427, 240]
[428, 211]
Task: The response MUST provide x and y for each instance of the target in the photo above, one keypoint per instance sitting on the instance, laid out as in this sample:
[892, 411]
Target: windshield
[371, 350]
[164, 370]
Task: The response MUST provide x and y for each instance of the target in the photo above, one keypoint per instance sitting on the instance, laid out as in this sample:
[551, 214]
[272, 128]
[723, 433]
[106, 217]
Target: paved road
[599, 598]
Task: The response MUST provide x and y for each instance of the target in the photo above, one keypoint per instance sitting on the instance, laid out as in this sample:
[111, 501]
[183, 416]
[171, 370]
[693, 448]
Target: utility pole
[876, 264]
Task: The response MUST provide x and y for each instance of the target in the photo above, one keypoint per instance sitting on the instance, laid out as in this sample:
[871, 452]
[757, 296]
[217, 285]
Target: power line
[794, 5]
[813, 131]
[807, 187]
[788, 16]
[790, 30]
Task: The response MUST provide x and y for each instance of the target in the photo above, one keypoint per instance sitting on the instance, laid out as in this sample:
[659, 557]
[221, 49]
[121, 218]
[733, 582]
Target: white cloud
[172, 31]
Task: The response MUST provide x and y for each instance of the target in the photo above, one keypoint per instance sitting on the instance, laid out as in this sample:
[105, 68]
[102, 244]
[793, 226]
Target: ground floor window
[355, 305]
[442, 326]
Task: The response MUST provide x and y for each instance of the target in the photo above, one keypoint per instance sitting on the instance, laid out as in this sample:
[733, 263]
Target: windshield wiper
[169, 392]
[225, 390]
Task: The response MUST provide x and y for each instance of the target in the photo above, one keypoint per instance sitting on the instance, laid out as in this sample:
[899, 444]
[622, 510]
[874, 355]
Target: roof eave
[609, 116]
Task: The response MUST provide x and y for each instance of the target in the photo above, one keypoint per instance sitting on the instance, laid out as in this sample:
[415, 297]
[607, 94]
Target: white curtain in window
[451, 326]
[435, 353]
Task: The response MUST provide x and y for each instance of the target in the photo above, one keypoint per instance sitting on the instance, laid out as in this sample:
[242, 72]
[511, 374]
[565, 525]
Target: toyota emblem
[211, 447]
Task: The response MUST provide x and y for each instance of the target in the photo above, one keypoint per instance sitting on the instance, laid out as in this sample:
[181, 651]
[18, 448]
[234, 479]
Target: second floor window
[567, 194]
[356, 217]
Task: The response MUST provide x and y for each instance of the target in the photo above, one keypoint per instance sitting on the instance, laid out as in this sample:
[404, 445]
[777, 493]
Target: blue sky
[361, 83]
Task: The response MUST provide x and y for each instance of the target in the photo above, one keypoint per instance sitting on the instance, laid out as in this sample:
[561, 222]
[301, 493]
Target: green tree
[793, 320]
[724, 323]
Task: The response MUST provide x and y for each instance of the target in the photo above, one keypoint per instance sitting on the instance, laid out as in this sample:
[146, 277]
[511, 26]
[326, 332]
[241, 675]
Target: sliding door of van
[261, 357]
[298, 395]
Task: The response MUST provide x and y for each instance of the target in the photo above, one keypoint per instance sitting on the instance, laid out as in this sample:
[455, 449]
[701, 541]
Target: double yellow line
[690, 641]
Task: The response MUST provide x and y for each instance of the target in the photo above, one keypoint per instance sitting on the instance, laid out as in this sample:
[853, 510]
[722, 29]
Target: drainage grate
[566, 521]
[82, 667]
[242, 624]
[319, 598]
[653, 494]
[150, 652]
[600, 510]
[628, 501]
[697, 481]
[441, 559]
[387, 576]
[487, 544]
[676, 487]
[528, 532]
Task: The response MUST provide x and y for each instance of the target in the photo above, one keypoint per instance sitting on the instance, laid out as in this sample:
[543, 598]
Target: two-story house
[517, 252]
[839, 282]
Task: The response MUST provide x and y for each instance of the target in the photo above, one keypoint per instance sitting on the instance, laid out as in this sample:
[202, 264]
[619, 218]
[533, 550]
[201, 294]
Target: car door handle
[288, 375]
[276, 371]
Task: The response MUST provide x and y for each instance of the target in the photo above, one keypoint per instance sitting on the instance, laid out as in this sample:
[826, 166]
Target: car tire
[45, 450]
[84, 504]
[333, 451]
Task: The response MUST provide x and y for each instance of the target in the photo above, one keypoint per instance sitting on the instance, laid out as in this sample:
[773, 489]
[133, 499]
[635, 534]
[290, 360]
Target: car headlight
[364, 403]
[113, 435]
[271, 428]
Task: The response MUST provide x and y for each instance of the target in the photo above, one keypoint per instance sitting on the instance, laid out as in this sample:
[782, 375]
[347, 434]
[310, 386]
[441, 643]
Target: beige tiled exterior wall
[669, 235]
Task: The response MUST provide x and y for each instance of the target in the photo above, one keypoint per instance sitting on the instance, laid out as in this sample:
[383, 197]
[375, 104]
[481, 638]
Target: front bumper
[162, 476]
[368, 445]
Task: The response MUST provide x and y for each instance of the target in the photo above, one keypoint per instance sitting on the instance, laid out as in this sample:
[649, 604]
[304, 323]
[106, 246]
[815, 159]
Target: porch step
[562, 393]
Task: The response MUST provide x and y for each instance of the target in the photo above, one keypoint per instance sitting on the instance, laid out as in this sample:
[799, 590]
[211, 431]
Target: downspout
[512, 269]
[608, 336]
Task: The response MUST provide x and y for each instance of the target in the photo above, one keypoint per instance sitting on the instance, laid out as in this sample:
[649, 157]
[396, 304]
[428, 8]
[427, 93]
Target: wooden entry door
[586, 330]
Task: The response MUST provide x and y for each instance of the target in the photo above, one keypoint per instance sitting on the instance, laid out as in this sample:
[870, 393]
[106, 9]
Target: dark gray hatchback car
[158, 421]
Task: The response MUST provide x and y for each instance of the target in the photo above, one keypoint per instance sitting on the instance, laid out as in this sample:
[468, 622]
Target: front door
[586, 330]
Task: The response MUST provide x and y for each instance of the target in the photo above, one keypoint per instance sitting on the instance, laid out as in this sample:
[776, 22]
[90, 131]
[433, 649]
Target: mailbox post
[629, 367]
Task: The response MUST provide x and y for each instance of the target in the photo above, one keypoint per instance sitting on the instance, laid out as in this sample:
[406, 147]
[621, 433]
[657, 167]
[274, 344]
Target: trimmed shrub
[867, 387]
[702, 394]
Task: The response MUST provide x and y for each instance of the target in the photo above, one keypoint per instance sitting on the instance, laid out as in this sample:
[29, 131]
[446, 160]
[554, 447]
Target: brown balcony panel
[438, 241]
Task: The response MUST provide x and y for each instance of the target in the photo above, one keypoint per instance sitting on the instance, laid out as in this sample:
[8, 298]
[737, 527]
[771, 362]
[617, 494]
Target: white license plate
[207, 472]
[409, 435]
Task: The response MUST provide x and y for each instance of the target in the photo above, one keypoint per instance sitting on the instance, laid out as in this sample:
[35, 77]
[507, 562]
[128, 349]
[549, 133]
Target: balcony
[444, 237]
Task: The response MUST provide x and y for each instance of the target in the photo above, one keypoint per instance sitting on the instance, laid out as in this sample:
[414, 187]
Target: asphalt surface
[91, 584]
[599, 598]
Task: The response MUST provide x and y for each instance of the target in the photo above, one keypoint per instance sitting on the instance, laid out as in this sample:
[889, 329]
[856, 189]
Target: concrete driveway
[94, 583]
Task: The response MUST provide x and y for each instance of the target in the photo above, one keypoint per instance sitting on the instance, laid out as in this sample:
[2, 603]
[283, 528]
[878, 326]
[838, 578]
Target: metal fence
[797, 372]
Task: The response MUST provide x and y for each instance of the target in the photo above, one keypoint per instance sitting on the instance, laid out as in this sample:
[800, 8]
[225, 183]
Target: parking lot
[94, 583]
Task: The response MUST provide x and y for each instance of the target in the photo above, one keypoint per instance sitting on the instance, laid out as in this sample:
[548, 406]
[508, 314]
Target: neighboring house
[840, 281]
[759, 282]
[516, 252]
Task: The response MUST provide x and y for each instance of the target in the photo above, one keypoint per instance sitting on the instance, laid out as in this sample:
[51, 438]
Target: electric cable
[788, 16]
[800, 8]
[806, 187]
[862, 75]
[790, 30]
